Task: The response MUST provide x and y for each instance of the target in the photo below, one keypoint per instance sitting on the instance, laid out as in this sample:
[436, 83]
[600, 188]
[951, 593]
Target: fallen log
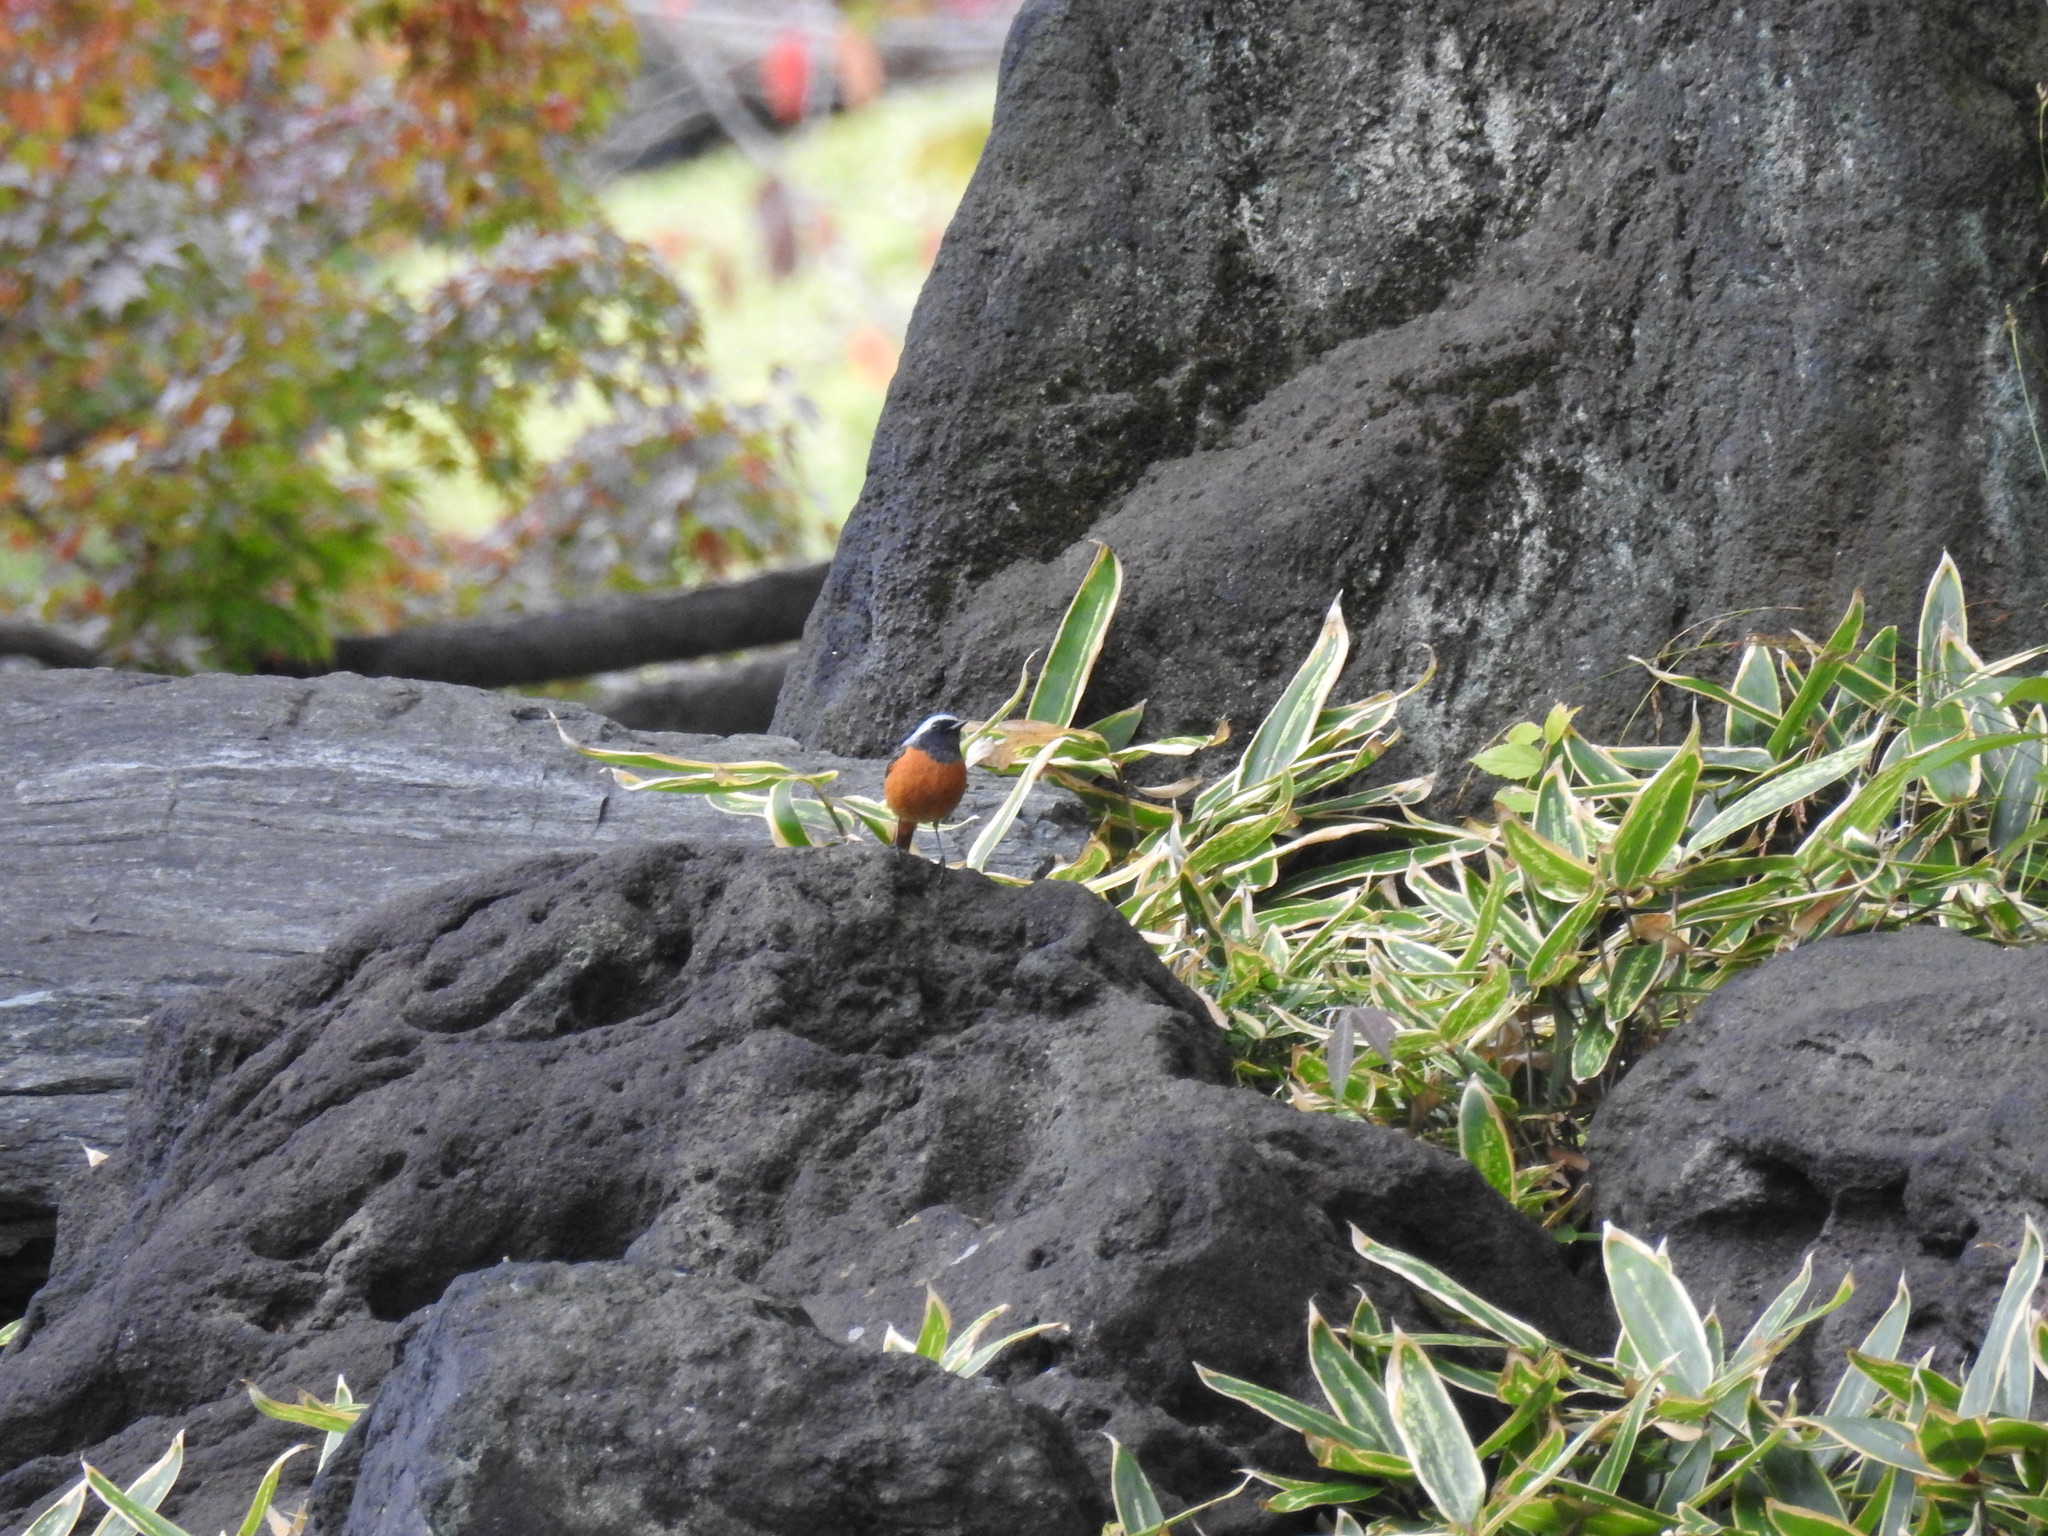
[768, 609]
[38, 642]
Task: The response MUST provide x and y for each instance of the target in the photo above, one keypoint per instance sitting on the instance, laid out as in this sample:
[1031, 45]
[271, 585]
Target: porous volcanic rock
[593, 1399]
[832, 1076]
[1541, 331]
[161, 834]
[1879, 1101]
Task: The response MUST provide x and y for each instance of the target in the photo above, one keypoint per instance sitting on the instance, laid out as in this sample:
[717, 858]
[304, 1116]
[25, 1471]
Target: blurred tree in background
[218, 402]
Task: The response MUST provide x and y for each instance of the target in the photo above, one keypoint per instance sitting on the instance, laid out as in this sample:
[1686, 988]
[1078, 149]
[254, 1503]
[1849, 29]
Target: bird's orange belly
[918, 789]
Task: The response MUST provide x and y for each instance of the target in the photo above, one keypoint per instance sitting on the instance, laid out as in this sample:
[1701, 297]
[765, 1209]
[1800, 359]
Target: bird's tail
[905, 831]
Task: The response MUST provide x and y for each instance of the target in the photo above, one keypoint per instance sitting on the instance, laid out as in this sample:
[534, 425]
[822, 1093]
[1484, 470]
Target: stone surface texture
[593, 1399]
[1542, 331]
[824, 1078]
[1879, 1101]
[159, 835]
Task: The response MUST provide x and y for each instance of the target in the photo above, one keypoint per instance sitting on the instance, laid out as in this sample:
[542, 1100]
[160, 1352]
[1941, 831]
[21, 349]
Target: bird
[927, 776]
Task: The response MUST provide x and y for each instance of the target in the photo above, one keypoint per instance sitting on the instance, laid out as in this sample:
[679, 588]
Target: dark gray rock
[164, 834]
[832, 1075]
[1542, 331]
[1879, 1101]
[590, 1399]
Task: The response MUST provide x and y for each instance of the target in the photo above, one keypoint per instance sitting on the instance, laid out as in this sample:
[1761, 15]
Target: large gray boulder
[1879, 1102]
[160, 835]
[1541, 331]
[827, 1077]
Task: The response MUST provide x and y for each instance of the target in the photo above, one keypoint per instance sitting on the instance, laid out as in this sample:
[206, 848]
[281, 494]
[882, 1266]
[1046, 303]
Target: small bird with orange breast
[927, 777]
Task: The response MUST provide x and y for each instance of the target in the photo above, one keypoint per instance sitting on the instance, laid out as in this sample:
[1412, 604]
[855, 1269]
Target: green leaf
[2022, 784]
[253, 1522]
[1313, 1422]
[1433, 1435]
[1546, 866]
[1117, 730]
[1296, 1495]
[1941, 612]
[1615, 1464]
[1434, 1282]
[61, 1516]
[1856, 1391]
[1749, 721]
[1955, 1445]
[1635, 970]
[937, 1328]
[1079, 642]
[1290, 726]
[1657, 1315]
[1591, 1047]
[1878, 799]
[1827, 667]
[1880, 1440]
[1130, 1491]
[785, 826]
[149, 1489]
[2002, 1378]
[1483, 1138]
[1353, 1394]
[313, 1415]
[128, 1513]
[1787, 789]
[1656, 820]
[1510, 760]
[1873, 677]
[1558, 955]
[1790, 1521]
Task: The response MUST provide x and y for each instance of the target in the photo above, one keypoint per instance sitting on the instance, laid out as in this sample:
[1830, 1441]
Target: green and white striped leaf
[1434, 1282]
[1291, 725]
[1079, 641]
[1656, 820]
[1433, 1436]
[2002, 1378]
[1657, 1315]
[1483, 1139]
[1787, 789]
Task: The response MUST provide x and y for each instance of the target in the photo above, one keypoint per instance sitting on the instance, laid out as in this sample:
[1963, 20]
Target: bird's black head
[938, 738]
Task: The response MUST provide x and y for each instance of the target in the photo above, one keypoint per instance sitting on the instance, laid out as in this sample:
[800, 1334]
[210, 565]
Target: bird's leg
[941, 836]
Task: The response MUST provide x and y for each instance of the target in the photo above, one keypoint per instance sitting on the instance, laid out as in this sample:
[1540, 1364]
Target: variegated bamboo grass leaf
[1750, 721]
[1483, 1139]
[1942, 613]
[1656, 820]
[1781, 791]
[1291, 724]
[1013, 803]
[1078, 641]
[1433, 1282]
[1658, 1317]
[1130, 1492]
[1819, 680]
[61, 1517]
[2002, 1378]
[1432, 1434]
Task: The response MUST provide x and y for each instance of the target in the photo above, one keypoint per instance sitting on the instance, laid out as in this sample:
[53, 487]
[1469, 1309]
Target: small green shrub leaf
[1433, 1435]
[1510, 760]
[1954, 1445]
[1557, 957]
[1814, 688]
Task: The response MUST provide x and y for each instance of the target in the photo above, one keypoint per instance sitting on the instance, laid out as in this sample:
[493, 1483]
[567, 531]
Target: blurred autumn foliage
[217, 404]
